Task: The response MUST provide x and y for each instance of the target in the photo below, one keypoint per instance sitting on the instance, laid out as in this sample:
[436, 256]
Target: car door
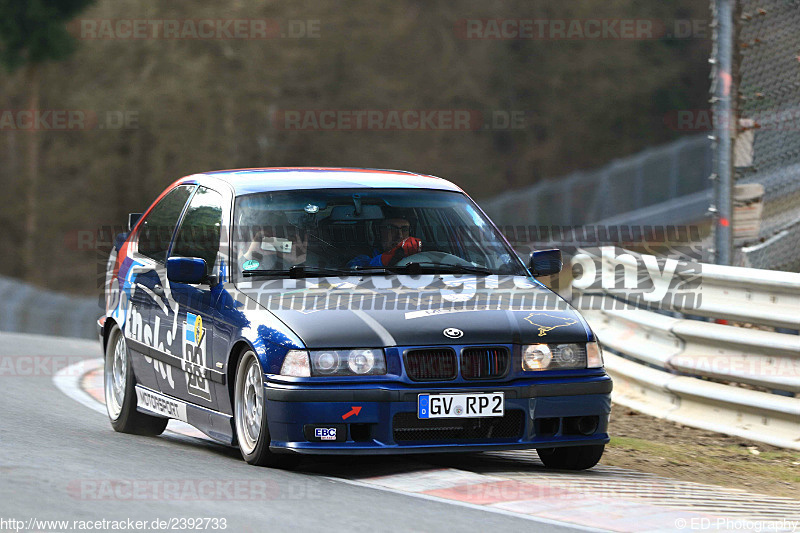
[199, 236]
[146, 277]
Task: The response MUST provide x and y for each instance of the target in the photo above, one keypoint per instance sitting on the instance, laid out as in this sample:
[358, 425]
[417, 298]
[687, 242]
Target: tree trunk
[30, 272]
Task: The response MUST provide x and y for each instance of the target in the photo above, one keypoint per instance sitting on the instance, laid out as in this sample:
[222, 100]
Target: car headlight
[361, 361]
[326, 362]
[594, 355]
[554, 356]
[536, 357]
[296, 364]
[357, 362]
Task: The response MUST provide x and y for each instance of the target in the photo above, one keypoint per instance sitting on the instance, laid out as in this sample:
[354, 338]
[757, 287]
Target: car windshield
[347, 231]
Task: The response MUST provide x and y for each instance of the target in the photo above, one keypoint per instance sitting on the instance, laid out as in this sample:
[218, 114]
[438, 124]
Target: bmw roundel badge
[453, 333]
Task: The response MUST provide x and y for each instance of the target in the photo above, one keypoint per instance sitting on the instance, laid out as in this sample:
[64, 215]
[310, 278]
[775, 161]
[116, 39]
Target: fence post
[724, 121]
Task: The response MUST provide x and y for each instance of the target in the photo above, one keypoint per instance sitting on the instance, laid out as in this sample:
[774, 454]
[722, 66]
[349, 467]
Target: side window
[200, 230]
[156, 231]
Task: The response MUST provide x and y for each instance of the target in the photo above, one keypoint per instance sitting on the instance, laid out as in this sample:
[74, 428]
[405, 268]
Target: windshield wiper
[369, 269]
[439, 268]
[416, 267]
[413, 268]
[300, 271]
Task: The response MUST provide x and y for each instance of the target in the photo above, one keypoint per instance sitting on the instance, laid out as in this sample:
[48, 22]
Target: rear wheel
[119, 383]
[571, 457]
[250, 414]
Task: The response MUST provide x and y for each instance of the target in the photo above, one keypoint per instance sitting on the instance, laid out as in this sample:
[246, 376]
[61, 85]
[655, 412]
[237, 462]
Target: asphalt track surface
[60, 460]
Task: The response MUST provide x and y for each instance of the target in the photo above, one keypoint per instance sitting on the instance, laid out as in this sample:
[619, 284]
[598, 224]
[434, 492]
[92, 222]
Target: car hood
[372, 314]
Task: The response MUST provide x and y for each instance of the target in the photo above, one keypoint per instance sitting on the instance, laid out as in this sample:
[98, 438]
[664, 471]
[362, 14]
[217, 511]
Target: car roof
[253, 180]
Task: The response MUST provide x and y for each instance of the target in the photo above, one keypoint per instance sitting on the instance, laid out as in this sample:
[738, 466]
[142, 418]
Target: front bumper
[538, 415]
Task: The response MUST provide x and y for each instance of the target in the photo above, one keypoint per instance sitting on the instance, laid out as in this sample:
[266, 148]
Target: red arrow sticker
[354, 411]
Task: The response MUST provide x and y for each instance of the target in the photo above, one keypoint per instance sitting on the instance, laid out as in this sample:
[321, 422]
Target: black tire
[254, 441]
[122, 411]
[571, 457]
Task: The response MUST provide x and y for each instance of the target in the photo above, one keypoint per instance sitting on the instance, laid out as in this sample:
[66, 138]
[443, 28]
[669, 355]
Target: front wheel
[571, 457]
[119, 385]
[250, 415]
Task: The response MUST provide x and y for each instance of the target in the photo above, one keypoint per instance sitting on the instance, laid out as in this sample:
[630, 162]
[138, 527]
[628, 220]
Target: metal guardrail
[29, 309]
[730, 379]
[702, 404]
[674, 173]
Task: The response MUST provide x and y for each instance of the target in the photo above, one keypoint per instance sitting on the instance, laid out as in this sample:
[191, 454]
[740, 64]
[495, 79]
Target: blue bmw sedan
[292, 311]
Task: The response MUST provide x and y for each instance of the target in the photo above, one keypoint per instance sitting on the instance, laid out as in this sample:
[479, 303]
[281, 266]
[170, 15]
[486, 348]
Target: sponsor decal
[160, 404]
[546, 322]
[138, 330]
[433, 312]
[198, 329]
[252, 264]
[177, 489]
[194, 357]
[325, 433]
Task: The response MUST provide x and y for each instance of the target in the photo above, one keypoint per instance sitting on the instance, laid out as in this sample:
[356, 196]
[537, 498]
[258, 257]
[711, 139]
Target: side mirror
[133, 218]
[190, 270]
[546, 262]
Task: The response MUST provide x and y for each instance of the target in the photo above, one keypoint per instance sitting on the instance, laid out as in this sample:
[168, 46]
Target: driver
[395, 244]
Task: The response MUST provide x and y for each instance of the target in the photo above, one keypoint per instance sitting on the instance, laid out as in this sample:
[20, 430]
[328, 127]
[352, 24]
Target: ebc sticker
[325, 433]
[194, 357]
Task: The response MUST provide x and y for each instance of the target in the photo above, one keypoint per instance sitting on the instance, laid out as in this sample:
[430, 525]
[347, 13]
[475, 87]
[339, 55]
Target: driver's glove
[406, 247]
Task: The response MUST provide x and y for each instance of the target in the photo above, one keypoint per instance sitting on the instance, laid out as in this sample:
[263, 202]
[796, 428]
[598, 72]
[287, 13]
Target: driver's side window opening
[155, 232]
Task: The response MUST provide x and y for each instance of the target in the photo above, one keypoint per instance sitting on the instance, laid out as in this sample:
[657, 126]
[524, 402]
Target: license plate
[460, 405]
